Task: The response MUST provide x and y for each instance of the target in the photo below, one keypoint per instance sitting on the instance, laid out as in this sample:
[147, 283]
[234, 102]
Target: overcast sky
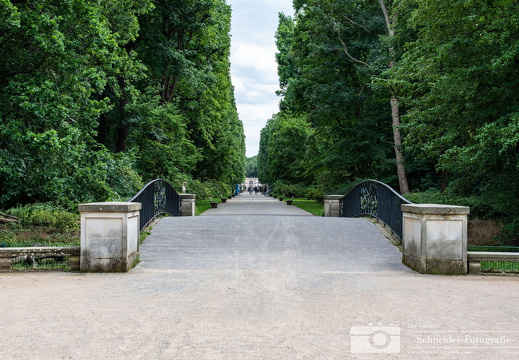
[253, 63]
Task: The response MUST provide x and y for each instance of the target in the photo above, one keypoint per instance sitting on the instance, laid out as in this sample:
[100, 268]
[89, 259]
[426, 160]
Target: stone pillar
[109, 236]
[188, 202]
[331, 205]
[434, 238]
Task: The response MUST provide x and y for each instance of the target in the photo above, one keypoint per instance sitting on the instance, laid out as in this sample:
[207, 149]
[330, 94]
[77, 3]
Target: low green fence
[493, 248]
[500, 266]
[497, 266]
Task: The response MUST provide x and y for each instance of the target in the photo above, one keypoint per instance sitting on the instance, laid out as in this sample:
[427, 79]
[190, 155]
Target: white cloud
[253, 64]
[255, 58]
[255, 116]
[260, 112]
[249, 90]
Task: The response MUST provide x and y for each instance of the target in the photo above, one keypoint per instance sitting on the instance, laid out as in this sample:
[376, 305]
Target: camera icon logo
[375, 339]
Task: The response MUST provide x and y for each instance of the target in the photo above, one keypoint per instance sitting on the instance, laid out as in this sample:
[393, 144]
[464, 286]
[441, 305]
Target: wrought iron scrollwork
[159, 201]
[157, 197]
[368, 199]
[376, 199]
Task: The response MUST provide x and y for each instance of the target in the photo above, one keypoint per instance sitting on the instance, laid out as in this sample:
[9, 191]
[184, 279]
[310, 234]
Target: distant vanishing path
[246, 204]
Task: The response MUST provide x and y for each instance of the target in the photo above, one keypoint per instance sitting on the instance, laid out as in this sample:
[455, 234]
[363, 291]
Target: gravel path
[245, 285]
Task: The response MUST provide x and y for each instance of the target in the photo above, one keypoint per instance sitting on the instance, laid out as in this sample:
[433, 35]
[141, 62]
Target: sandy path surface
[260, 287]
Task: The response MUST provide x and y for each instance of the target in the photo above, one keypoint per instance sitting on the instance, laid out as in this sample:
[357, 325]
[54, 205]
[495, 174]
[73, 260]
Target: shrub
[123, 180]
[289, 190]
[210, 188]
[342, 188]
[46, 214]
[64, 170]
[478, 207]
[315, 193]
[509, 235]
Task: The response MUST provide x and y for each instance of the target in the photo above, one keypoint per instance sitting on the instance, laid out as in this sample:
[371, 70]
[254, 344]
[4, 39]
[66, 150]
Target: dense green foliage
[99, 97]
[334, 123]
[459, 78]
[251, 167]
[453, 66]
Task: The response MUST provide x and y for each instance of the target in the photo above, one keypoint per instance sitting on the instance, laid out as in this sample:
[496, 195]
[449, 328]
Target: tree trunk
[123, 130]
[395, 115]
[6, 221]
[397, 139]
[444, 181]
[9, 219]
[122, 138]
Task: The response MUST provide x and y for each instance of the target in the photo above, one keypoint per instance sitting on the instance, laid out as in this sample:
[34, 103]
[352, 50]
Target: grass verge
[144, 234]
[201, 206]
[312, 206]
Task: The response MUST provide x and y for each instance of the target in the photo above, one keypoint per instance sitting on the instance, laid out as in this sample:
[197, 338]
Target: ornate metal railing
[376, 199]
[157, 197]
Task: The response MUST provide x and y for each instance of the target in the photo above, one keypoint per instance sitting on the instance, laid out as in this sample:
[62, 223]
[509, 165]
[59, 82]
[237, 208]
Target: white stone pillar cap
[435, 209]
[187, 196]
[333, 197]
[110, 207]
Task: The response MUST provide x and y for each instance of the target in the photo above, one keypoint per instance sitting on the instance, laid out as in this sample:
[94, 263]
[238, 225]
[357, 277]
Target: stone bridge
[257, 279]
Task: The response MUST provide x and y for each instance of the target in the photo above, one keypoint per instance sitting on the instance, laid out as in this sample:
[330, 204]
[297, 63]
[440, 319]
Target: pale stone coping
[187, 196]
[333, 197]
[110, 207]
[492, 256]
[435, 209]
[44, 249]
[8, 254]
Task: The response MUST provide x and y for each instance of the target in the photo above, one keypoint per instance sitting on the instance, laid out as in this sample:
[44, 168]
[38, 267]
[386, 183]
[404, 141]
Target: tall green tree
[459, 77]
[286, 148]
[55, 58]
[95, 92]
[395, 106]
[186, 47]
[251, 167]
[328, 57]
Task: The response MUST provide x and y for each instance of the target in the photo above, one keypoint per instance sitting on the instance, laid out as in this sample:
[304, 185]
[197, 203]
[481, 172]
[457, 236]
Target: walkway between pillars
[259, 233]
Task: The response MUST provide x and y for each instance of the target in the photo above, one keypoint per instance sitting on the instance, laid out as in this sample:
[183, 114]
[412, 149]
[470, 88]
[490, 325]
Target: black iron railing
[376, 199]
[157, 197]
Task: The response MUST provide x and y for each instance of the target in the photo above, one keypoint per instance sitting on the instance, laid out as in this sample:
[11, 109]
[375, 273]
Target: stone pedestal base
[188, 202]
[109, 236]
[331, 205]
[435, 238]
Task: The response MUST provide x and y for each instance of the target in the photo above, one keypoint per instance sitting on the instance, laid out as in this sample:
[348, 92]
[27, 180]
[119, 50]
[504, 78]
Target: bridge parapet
[110, 230]
[109, 236]
[370, 198]
[434, 238]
